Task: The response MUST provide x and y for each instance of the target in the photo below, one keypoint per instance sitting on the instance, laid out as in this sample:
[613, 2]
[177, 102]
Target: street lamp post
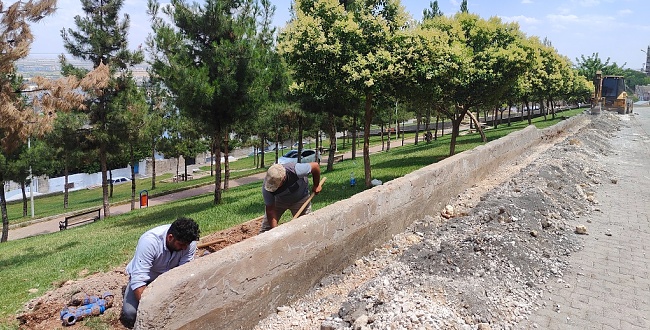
[647, 61]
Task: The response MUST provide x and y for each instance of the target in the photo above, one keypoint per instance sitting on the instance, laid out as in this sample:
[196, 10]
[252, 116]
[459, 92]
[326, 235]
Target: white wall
[54, 185]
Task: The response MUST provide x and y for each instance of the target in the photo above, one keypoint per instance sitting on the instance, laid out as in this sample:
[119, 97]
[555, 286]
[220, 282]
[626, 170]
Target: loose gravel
[483, 262]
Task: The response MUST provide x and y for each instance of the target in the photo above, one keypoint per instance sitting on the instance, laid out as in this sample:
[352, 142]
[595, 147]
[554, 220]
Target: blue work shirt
[152, 257]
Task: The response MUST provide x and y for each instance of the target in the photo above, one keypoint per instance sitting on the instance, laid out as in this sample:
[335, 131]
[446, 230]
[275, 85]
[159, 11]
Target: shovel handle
[302, 208]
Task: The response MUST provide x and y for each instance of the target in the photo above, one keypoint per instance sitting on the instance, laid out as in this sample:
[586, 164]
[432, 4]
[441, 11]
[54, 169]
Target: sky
[615, 29]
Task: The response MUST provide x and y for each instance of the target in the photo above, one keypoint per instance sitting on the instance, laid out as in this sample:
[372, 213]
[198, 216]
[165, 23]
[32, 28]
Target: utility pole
[647, 61]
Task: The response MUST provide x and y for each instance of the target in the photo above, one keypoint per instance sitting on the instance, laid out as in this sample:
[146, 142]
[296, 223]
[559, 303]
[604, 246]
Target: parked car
[304, 144]
[267, 150]
[272, 148]
[120, 179]
[307, 156]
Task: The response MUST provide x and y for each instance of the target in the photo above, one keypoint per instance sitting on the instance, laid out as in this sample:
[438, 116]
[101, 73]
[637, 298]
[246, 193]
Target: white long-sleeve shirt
[152, 257]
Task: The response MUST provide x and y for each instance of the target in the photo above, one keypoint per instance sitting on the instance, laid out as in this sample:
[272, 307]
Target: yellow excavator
[609, 94]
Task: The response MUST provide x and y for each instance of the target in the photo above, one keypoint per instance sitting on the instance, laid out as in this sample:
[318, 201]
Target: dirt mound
[43, 313]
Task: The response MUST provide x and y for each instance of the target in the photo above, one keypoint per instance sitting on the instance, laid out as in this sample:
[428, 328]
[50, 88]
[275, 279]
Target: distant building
[643, 92]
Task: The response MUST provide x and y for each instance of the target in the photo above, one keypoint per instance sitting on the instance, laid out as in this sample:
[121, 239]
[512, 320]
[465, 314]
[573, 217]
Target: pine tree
[101, 38]
[207, 56]
[432, 11]
[463, 7]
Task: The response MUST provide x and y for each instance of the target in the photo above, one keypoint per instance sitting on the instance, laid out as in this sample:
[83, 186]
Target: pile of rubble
[483, 262]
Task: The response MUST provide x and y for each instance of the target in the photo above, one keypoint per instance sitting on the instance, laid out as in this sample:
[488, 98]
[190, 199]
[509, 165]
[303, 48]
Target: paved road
[52, 225]
[608, 283]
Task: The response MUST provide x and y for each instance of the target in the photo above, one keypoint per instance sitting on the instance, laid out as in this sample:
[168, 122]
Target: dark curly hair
[185, 230]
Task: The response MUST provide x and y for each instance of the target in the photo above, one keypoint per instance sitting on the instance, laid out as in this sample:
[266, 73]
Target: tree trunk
[132, 177]
[332, 134]
[417, 128]
[354, 137]
[455, 130]
[22, 189]
[478, 126]
[366, 140]
[226, 170]
[185, 168]
[277, 145]
[102, 161]
[110, 182]
[300, 146]
[545, 109]
[217, 171]
[509, 113]
[261, 151]
[5, 217]
[212, 158]
[455, 123]
[153, 164]
[427, 122]
[435, 131]
[66, 187]
[552, 109]
[388, 138]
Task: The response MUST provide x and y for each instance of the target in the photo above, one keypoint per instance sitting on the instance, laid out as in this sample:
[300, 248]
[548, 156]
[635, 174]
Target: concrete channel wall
[238, 286]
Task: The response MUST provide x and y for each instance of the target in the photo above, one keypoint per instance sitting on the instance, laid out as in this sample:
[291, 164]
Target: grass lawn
[45, 261]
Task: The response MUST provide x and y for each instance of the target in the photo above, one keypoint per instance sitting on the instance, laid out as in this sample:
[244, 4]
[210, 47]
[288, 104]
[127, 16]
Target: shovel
[302, 208]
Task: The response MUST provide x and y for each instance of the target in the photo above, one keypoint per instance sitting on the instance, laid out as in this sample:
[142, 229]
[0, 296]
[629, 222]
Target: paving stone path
[608, 283]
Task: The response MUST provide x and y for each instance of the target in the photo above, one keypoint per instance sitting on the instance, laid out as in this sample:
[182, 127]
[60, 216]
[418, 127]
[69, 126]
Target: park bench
[181, 177]
[80, 218]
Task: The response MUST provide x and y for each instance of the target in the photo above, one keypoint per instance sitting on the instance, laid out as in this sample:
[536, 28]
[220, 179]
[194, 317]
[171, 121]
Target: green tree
[274, 79]
[101, 39]
[65, 143]
[635, 78]
[587, 66]
[342, 54]
[207, 56]
[463, 7]
[492, 56]
[156, 120]
[131, 114]
[18, 170]
[316, 45]
[432, 11]
[183, 139]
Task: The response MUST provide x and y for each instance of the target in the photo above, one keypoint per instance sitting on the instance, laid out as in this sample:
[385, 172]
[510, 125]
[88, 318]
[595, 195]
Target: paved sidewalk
[52, 225]
[607, 285]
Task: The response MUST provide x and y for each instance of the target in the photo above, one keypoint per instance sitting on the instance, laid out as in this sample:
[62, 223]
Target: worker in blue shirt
[159, 250]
